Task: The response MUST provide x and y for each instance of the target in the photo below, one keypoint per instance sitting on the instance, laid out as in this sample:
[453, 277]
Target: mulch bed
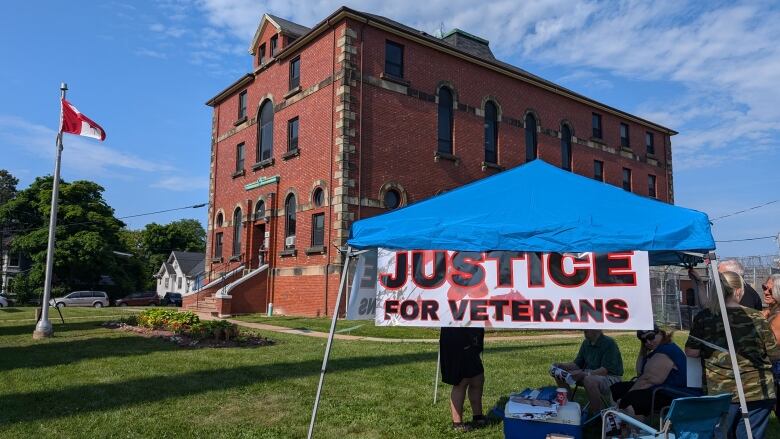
[184, 340]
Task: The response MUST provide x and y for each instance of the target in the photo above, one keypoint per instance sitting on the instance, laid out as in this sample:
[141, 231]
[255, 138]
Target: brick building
[360, 114]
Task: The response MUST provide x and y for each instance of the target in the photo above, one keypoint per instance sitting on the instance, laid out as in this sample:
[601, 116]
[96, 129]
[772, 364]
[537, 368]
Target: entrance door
[258, 246]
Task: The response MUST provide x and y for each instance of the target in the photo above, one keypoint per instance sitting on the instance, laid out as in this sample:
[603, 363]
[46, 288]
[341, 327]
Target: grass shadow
[57, 353]
[98, 397]
[10, 310]
[28, 327]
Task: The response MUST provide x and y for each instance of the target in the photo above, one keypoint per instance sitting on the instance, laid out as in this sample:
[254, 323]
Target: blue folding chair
[687, 418]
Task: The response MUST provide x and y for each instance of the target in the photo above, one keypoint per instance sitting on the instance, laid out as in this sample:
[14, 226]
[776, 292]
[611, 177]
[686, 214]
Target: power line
[749, 239]
[745, 210]
[194, 206]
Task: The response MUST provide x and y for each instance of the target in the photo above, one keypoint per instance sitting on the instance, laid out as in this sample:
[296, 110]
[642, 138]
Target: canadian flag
[72, 121]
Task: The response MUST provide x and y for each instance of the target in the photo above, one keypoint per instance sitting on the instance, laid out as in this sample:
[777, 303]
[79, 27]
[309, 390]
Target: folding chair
[687, 418]
[693, 383]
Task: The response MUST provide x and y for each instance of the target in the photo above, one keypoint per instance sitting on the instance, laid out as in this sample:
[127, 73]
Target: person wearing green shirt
[598, 365]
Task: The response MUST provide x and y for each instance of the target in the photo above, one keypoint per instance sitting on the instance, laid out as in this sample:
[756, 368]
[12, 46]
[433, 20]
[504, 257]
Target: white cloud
[151, 53]
[182, 184]
[79, 154]
[725, 56]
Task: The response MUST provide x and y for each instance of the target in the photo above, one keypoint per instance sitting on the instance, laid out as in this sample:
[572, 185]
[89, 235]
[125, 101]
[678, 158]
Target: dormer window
[274, 45]
[261, 54]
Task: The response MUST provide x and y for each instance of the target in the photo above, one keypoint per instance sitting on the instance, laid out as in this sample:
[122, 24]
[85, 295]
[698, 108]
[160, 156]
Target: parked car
[97, 299]
[145, 298]
[4, 303]
[171, 299]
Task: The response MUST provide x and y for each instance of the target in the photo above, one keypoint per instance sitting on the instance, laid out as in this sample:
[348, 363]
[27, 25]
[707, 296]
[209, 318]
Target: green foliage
[214, 329]
[186, 323]
[155, 242]
[161, 318]
[7, 186]
[87, 235]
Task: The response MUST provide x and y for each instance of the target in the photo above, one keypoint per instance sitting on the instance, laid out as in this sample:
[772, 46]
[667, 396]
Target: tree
[7, 186]
[155, 242]
[87, 235]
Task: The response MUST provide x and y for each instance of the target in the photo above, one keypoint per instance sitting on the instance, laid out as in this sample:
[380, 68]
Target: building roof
[288, 27]
[191, 263]
[458, 41]
[283, 26]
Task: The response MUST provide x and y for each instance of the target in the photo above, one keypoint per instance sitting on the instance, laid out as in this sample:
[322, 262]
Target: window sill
[291, 153]
[651, 155]
[395, 79]
[292, 92]
[217, 260]
[597, 140]
[316, 249]
[263, 164]
[240, 173]
[626, 148]
[235, 258]
[240, 121]
[288, 252]
[438, 155]
[488, 165]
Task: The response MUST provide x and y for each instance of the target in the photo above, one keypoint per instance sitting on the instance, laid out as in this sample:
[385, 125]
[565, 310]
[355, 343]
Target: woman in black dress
[461, 367]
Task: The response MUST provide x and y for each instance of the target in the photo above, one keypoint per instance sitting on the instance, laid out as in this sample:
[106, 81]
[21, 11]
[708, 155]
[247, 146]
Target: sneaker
[461, 427]
[479, 421]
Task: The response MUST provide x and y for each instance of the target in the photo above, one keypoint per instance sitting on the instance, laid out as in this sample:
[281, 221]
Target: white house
[181, 273]
[11, 263]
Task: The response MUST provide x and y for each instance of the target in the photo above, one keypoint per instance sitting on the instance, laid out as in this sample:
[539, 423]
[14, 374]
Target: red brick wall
[399, 132]
[395, 141]
[250, 296]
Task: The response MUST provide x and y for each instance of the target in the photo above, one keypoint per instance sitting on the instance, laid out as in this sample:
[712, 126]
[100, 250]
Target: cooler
[566, 422]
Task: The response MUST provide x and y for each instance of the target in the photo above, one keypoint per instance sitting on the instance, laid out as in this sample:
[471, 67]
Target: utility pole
[44, 328]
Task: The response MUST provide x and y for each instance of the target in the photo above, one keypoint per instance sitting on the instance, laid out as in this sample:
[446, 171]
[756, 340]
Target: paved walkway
[318, 334]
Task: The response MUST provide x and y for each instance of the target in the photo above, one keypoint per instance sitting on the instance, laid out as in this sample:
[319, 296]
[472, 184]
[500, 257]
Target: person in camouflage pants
[756, 348]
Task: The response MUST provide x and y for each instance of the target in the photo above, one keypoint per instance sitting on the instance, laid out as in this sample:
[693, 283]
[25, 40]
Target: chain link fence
[668, 285]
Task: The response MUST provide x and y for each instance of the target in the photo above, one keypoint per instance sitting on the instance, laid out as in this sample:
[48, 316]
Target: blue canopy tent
[536, 207]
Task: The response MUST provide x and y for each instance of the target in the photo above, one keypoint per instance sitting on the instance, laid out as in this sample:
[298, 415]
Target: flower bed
[186, 329]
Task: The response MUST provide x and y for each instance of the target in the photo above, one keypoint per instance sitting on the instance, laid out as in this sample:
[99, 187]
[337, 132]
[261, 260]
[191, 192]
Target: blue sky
[143, 70]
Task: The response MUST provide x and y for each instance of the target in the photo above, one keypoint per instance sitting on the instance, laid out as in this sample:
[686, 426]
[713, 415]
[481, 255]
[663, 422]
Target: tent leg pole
[732, 352]
[342, 283]
[436, 378]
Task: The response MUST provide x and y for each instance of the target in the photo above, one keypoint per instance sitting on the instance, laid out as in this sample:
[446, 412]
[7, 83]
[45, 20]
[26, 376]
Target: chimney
[469, 43]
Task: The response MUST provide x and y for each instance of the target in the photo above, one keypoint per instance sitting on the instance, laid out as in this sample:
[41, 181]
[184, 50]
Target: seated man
[598, 366]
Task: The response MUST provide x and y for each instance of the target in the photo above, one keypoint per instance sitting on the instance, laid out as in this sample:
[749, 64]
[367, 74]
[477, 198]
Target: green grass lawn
[91, 382]
[366, 328]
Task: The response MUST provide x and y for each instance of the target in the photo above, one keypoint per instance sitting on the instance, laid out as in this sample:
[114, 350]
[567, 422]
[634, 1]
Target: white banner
[509, 289]
[362, 296]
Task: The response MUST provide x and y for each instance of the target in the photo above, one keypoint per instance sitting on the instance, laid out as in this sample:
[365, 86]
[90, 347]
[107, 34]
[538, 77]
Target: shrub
[162, 318]
[187, 323]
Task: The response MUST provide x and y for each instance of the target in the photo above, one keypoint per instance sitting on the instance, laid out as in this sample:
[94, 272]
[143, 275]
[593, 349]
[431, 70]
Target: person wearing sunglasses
[756, 350]
[660, 363]
[771, 289]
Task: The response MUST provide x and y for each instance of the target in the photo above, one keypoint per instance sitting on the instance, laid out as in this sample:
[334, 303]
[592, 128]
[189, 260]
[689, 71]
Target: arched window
[237, 232]
[531, 152]
[566, 157]
[220, 220]
[259, 210]
[265, 135]
[491, 133]
[318, 197]
[289, 213]
[445, 121]
[392, 199]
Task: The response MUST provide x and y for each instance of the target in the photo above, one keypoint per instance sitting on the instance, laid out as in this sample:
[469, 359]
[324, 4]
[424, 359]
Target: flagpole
[44, 328]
